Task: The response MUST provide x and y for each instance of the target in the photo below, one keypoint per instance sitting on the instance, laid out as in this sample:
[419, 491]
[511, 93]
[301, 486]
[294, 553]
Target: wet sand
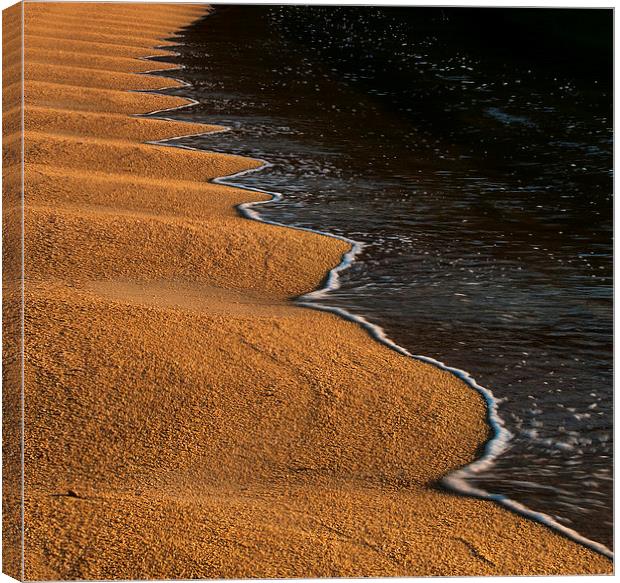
[183, 418]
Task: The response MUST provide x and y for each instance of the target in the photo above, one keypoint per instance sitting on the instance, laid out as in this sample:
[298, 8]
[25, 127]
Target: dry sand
[183, 417]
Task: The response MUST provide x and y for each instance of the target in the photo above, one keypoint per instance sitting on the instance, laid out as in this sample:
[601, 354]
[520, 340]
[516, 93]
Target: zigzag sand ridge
[183, 418]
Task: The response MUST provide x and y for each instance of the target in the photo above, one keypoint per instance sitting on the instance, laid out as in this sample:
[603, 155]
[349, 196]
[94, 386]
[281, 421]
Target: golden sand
[183, 417]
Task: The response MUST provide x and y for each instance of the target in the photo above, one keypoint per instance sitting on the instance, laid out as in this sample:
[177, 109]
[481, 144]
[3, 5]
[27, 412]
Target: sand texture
[183, 417]
[12, 293]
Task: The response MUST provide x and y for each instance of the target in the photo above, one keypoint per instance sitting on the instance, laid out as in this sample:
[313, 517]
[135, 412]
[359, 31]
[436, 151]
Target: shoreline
[456, 480]
[298, 487]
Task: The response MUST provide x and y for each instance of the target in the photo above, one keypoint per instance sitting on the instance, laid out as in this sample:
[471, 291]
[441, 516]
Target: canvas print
[305, 291]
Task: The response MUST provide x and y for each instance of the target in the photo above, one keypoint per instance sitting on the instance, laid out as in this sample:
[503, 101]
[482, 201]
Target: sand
[183, 417]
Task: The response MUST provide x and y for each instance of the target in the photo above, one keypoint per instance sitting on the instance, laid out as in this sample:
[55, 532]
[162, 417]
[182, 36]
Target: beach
[183, 418]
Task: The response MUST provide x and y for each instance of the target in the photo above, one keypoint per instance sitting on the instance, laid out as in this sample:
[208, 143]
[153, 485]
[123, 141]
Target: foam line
[457, 480]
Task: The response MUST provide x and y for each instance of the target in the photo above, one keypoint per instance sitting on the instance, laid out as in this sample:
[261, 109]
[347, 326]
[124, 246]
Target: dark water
[476, 168]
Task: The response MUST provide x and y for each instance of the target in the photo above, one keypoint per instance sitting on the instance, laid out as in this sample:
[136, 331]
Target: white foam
[458, 480]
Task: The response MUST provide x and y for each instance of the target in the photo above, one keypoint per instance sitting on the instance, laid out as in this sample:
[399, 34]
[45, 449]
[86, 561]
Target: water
[480, 184]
